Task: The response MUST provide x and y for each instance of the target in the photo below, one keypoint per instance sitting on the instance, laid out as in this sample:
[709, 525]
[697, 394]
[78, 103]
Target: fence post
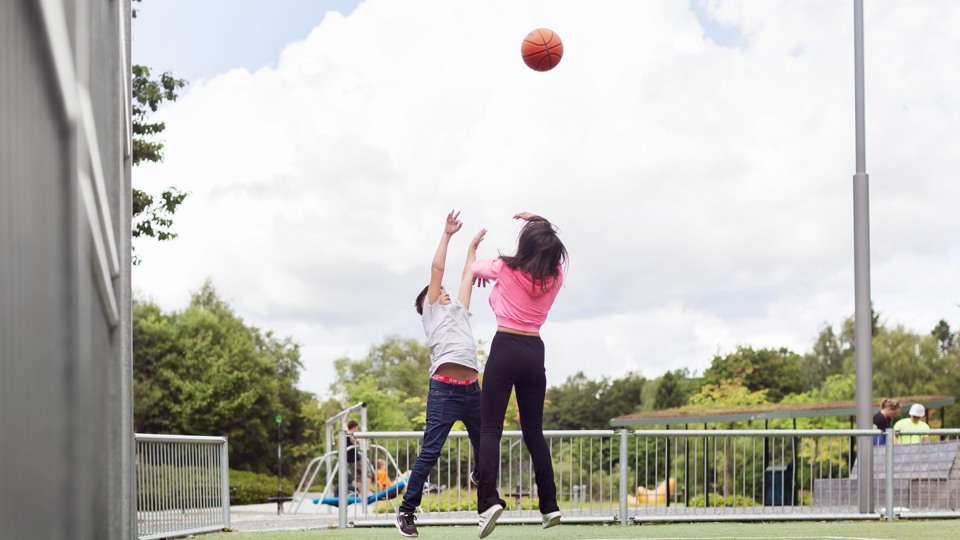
[342, 481]
[361, 452]
[225, 482]
[624, 470]
[888, 447]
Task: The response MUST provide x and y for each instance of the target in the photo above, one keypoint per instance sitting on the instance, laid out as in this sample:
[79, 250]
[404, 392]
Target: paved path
[263, 517]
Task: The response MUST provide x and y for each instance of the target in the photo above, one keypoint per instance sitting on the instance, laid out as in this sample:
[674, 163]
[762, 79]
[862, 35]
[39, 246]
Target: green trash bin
[778, 486]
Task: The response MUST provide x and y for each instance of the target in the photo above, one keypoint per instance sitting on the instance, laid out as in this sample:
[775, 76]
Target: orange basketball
[542, 49]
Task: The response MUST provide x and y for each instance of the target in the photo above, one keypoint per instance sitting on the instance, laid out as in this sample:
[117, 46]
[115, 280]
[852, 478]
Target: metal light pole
[279, 469]
[863, 315]
[280, 499]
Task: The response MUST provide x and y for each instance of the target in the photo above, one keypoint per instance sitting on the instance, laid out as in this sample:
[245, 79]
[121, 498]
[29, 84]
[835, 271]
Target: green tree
[573, 404]
[582, 403]
[827, 358]
[391, 379]
[946, 373]
[669, 393]
[623, 396]
[775, 370]
[729, 393]
[203, 371]
[946, 339]
[152, 213]
[903, 363]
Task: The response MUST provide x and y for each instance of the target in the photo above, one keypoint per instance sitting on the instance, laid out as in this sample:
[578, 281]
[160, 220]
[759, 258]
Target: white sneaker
[488, 520]
[549, 520]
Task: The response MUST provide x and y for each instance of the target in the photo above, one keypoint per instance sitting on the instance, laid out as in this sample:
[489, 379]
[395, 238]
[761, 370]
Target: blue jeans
[446, 403]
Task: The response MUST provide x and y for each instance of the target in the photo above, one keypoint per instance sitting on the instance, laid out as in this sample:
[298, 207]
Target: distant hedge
[256, 488]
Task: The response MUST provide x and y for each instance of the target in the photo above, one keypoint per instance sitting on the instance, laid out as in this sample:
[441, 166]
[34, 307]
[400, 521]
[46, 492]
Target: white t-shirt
[449, 335]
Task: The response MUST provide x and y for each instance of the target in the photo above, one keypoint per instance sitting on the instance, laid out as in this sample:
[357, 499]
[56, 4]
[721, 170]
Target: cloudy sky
[697, 156]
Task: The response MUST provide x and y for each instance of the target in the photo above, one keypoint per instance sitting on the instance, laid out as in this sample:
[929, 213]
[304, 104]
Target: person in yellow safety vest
[913, 423]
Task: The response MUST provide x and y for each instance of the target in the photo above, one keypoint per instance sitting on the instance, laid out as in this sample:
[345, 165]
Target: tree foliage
[392, 379]
[775, 370]
[582, 403]
[152, 214]
[203, 371]
[828, 356]
[675, 388]
[729, 393]
[903, 362]
[946, 339]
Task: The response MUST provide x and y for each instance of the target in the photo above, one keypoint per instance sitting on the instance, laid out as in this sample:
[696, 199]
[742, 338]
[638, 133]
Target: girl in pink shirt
[526, 286]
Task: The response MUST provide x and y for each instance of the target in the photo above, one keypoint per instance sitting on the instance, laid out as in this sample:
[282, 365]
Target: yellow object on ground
[656, 496]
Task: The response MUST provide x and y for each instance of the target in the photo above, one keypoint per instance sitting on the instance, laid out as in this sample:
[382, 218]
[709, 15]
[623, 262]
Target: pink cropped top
[516, 301]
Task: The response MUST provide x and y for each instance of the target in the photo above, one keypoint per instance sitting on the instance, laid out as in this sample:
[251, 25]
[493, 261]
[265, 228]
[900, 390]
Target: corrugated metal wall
[66, 434]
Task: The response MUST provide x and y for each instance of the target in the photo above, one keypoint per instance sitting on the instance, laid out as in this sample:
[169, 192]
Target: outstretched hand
[526, 216]
[453, 223]
[478, 238]
[480, 282]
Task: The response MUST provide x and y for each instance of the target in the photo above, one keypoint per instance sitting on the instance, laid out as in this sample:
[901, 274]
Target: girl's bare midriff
[457, 371]
[515, 331]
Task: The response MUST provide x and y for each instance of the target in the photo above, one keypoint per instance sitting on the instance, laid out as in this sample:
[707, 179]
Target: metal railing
[182, 485]
[608, 476]
[744, 474]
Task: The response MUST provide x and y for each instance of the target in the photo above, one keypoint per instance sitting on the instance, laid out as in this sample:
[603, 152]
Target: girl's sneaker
[488, 520]
[551, 519]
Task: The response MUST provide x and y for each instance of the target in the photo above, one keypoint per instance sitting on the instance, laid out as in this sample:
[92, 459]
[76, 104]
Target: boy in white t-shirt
[454, 391]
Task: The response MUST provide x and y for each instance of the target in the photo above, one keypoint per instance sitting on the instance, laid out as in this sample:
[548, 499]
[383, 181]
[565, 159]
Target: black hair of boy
[420, 297]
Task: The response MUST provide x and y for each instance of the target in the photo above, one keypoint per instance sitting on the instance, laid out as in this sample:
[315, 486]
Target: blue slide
[388, 493]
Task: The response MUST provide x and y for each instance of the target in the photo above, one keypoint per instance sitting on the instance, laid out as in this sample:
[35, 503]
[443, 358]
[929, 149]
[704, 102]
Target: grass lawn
[858, 530]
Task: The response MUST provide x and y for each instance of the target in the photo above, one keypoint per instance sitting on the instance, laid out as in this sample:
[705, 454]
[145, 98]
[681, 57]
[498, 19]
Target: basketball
[541, 49]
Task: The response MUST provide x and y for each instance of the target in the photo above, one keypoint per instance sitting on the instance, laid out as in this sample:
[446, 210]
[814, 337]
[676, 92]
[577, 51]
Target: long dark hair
[540, 253]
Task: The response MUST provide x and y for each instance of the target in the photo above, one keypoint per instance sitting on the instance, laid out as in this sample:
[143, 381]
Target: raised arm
[440, 257]
[527, 216]
[466, 280]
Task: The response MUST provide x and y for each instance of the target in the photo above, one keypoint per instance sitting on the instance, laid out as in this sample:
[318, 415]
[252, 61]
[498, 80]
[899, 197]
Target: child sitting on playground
[454, 391]
[383, 481]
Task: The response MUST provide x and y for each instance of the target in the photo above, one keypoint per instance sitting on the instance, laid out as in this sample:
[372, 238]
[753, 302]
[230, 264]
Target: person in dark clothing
[353, 464]
[526, 285]
[889, 408]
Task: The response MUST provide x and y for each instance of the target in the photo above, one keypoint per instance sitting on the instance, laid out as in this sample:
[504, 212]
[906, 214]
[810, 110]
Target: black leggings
[515, 361]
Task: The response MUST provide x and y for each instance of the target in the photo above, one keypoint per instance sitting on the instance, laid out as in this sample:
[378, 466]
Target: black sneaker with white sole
[407, 524]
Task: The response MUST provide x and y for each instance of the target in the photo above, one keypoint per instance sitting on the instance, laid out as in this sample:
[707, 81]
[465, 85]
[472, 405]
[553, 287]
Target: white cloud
[704, 192]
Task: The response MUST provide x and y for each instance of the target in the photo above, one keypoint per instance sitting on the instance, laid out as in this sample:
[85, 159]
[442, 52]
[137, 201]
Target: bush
[256, 488]
[720, 500]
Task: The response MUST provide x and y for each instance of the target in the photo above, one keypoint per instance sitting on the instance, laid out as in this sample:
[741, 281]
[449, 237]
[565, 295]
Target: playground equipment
[387, 494]
[330, 461]
[335, 421]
